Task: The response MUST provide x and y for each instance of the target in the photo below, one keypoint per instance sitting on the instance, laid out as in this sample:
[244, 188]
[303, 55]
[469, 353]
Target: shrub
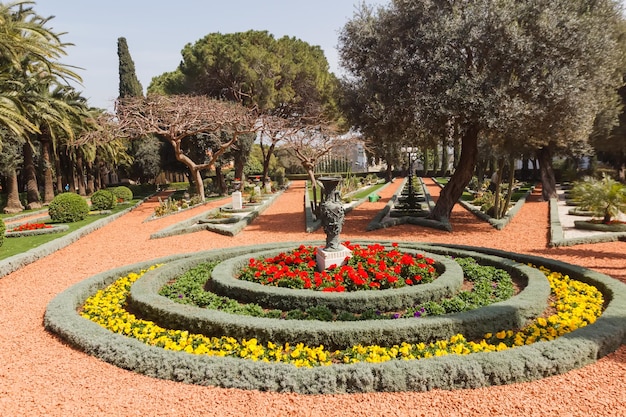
[68, 208]
[122, 193]
[2, 230]
[605, 198]
[103, 200]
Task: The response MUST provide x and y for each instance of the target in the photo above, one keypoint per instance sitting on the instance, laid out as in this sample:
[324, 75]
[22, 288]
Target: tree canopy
[537, 70]
[280, 76]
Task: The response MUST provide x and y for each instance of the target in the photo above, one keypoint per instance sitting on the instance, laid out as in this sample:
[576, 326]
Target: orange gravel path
[40, 376]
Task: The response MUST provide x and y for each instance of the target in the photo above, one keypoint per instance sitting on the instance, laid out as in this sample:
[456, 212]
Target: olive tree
[542, 67]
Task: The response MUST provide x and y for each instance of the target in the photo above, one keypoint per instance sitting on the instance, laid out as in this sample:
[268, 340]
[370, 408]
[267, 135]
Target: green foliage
[103, 200]
[129, 86]
[605, 197]
[3, 228]
[255, 68]
[491, 285]
[68, 208]
[122, 193]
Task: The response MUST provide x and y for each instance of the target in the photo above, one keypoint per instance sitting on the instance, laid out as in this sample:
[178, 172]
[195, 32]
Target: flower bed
[456, 362]
[33, 229]
[225, 282]
[514, 312]
[367, 268]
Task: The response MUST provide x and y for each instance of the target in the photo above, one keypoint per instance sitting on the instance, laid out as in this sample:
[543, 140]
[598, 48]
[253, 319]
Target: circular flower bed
[289, 289]
[368, 268]
[574, 335]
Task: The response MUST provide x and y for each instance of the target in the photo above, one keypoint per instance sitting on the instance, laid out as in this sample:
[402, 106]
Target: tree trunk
[197, 178]
[462, 175]
[266, 160]
[48, 180]
[33, 199]
[239, 163]
[497, 188]
[457, 151]
[80, 173]
[426, 163]
[89, 185]
[219, 179]
[445, 159]
[548, 182]
[14, 205]
[507, 201]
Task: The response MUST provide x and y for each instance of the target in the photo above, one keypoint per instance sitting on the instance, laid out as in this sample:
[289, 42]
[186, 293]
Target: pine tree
[129, 83]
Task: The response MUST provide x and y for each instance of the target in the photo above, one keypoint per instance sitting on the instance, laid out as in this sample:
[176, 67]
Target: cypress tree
[129, 83]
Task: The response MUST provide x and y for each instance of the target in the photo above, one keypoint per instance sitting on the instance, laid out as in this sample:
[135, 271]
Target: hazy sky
[157, 30]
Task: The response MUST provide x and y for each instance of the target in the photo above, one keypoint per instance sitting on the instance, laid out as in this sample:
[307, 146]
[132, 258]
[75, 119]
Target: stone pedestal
[257, 190]
[268, 187]
[326, 258]
[237, 200]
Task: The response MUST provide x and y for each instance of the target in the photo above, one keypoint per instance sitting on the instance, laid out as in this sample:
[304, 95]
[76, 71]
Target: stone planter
[599, 227]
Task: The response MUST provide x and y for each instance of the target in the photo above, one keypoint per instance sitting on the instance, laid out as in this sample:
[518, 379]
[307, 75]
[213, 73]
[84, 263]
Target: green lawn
[15, 245]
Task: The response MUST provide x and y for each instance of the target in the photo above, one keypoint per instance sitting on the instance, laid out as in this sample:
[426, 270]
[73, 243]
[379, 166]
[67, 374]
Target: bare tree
[309, 144]
[182, 118]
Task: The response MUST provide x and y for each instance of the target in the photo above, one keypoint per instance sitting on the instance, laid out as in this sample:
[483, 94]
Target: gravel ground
[40, 376]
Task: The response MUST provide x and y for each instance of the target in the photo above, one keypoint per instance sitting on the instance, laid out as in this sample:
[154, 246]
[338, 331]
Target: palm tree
[24, 40]
[28, 68]
[10, 159]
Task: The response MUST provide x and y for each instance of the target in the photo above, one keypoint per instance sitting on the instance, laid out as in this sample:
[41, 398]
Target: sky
[157, 30]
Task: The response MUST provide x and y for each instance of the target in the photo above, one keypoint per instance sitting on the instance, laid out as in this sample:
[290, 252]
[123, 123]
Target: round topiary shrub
[68, 208]
[103, 200]
[122, 193]
[3, 228]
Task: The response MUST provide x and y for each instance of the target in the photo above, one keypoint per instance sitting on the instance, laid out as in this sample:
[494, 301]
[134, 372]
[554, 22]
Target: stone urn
[332, 216]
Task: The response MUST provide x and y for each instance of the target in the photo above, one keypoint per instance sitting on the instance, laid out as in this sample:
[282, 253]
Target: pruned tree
[311, 143]
[183, 118]
[282, 78]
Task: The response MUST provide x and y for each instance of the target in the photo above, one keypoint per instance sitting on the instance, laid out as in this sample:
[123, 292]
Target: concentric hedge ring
[224, 282]
[525, 363]
[512, 313]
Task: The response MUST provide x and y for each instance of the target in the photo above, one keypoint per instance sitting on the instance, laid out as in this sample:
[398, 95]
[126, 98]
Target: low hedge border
[382, 220]
[522, 364]
[195, 223]
[557, 237]
[508, 314]
[498, 224]
[223, 282]
[613, 228]
[56, 228]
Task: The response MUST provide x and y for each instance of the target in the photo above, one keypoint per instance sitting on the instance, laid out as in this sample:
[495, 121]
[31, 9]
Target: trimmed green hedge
[123, 193]
[103, 200]
[68, 208]
[521, 364]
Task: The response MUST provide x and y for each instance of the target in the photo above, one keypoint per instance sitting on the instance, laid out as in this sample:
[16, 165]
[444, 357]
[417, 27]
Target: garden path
[41, 376]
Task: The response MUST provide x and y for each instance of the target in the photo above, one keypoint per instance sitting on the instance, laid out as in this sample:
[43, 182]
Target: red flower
[30, 226]
[371, 267]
